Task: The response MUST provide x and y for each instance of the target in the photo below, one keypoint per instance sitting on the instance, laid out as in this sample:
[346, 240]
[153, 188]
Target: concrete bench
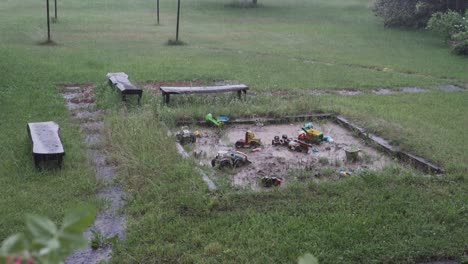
[120, 81]
[167, 91]
[46, 144]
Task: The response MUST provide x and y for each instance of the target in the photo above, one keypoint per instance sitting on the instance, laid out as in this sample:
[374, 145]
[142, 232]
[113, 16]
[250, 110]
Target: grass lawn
[396, 215]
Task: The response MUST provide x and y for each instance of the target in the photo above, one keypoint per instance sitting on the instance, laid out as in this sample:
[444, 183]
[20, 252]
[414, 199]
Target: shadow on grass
[47, 43]
[172, 42]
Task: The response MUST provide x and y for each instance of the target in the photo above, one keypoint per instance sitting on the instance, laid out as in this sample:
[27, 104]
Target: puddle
[82, 100]
[70, 96]
[71, 89]
[92, 126]
[348, 91]
[105, 173]
[72, 106]
[88, 114]
[92, 140]
[279, 161]
[318, 92]
[450, 88]
[114, 195]
[413, 90]
[109, 221]
[97, 157]
[383, 91]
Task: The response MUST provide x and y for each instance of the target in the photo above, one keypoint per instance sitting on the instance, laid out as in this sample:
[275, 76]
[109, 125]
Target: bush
[460, 43]
[448, 24]
[454, 27]
[407, 13]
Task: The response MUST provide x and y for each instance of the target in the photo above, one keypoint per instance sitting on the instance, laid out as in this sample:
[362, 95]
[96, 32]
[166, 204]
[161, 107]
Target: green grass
[299, 46]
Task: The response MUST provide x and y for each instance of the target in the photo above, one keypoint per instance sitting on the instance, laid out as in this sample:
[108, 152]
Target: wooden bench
[120, 81]
[167, 91]
[46, 144]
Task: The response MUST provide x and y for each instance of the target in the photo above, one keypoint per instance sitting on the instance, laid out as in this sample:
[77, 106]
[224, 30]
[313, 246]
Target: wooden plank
[45, 138]
[121, 82]
[204, 89]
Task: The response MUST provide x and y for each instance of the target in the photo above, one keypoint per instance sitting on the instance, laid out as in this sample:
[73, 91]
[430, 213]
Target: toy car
[185, 136]
[230, 159]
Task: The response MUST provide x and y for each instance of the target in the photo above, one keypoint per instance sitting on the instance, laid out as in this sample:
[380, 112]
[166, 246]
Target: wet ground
[110, 222]
[329, 162]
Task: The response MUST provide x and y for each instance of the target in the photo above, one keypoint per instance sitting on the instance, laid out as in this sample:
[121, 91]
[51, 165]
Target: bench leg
[139, 98]
[36, 161]
[60, 161]
[239, 94]
[167, 98]
[124, 97]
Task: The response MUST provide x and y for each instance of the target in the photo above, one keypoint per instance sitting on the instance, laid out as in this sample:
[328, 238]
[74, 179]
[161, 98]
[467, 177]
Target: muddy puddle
[328, 161]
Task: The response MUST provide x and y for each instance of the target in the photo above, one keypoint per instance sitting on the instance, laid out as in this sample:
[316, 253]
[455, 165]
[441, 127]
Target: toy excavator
[310, 135]
[249, 142]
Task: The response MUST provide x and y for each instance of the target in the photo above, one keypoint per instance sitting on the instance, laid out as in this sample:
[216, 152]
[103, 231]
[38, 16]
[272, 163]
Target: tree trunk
[48, 21]
[178, 15]
[254, 2]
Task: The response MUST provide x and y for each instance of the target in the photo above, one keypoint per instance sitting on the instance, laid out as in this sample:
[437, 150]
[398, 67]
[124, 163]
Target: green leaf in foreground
[44, 242]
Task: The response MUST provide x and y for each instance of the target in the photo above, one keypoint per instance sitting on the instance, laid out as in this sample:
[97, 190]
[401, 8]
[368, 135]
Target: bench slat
[120, 80]
[206, 89]
[45, 138]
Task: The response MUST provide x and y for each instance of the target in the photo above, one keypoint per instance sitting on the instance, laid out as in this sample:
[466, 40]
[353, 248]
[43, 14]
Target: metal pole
[55, 6]
[178, 14]
[157, 10]
[48, 21]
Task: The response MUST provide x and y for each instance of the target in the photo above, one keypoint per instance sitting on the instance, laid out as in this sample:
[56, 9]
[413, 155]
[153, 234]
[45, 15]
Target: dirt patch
[155, 85]
[348, 91]
[329, 162]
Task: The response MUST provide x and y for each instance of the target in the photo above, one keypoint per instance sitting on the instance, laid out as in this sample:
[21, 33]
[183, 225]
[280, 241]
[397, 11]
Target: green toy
[209, 117]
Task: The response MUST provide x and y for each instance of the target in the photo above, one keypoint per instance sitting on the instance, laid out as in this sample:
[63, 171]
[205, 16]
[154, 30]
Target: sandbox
[327, 162]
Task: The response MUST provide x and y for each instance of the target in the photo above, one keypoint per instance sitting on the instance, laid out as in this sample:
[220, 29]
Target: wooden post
[178, 14]
[157, 10]
[48, 21]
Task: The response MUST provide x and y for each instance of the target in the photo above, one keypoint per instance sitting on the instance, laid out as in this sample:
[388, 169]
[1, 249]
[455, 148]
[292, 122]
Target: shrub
[448, 24]
[407, 13]
[454, 27]
[460, 44]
